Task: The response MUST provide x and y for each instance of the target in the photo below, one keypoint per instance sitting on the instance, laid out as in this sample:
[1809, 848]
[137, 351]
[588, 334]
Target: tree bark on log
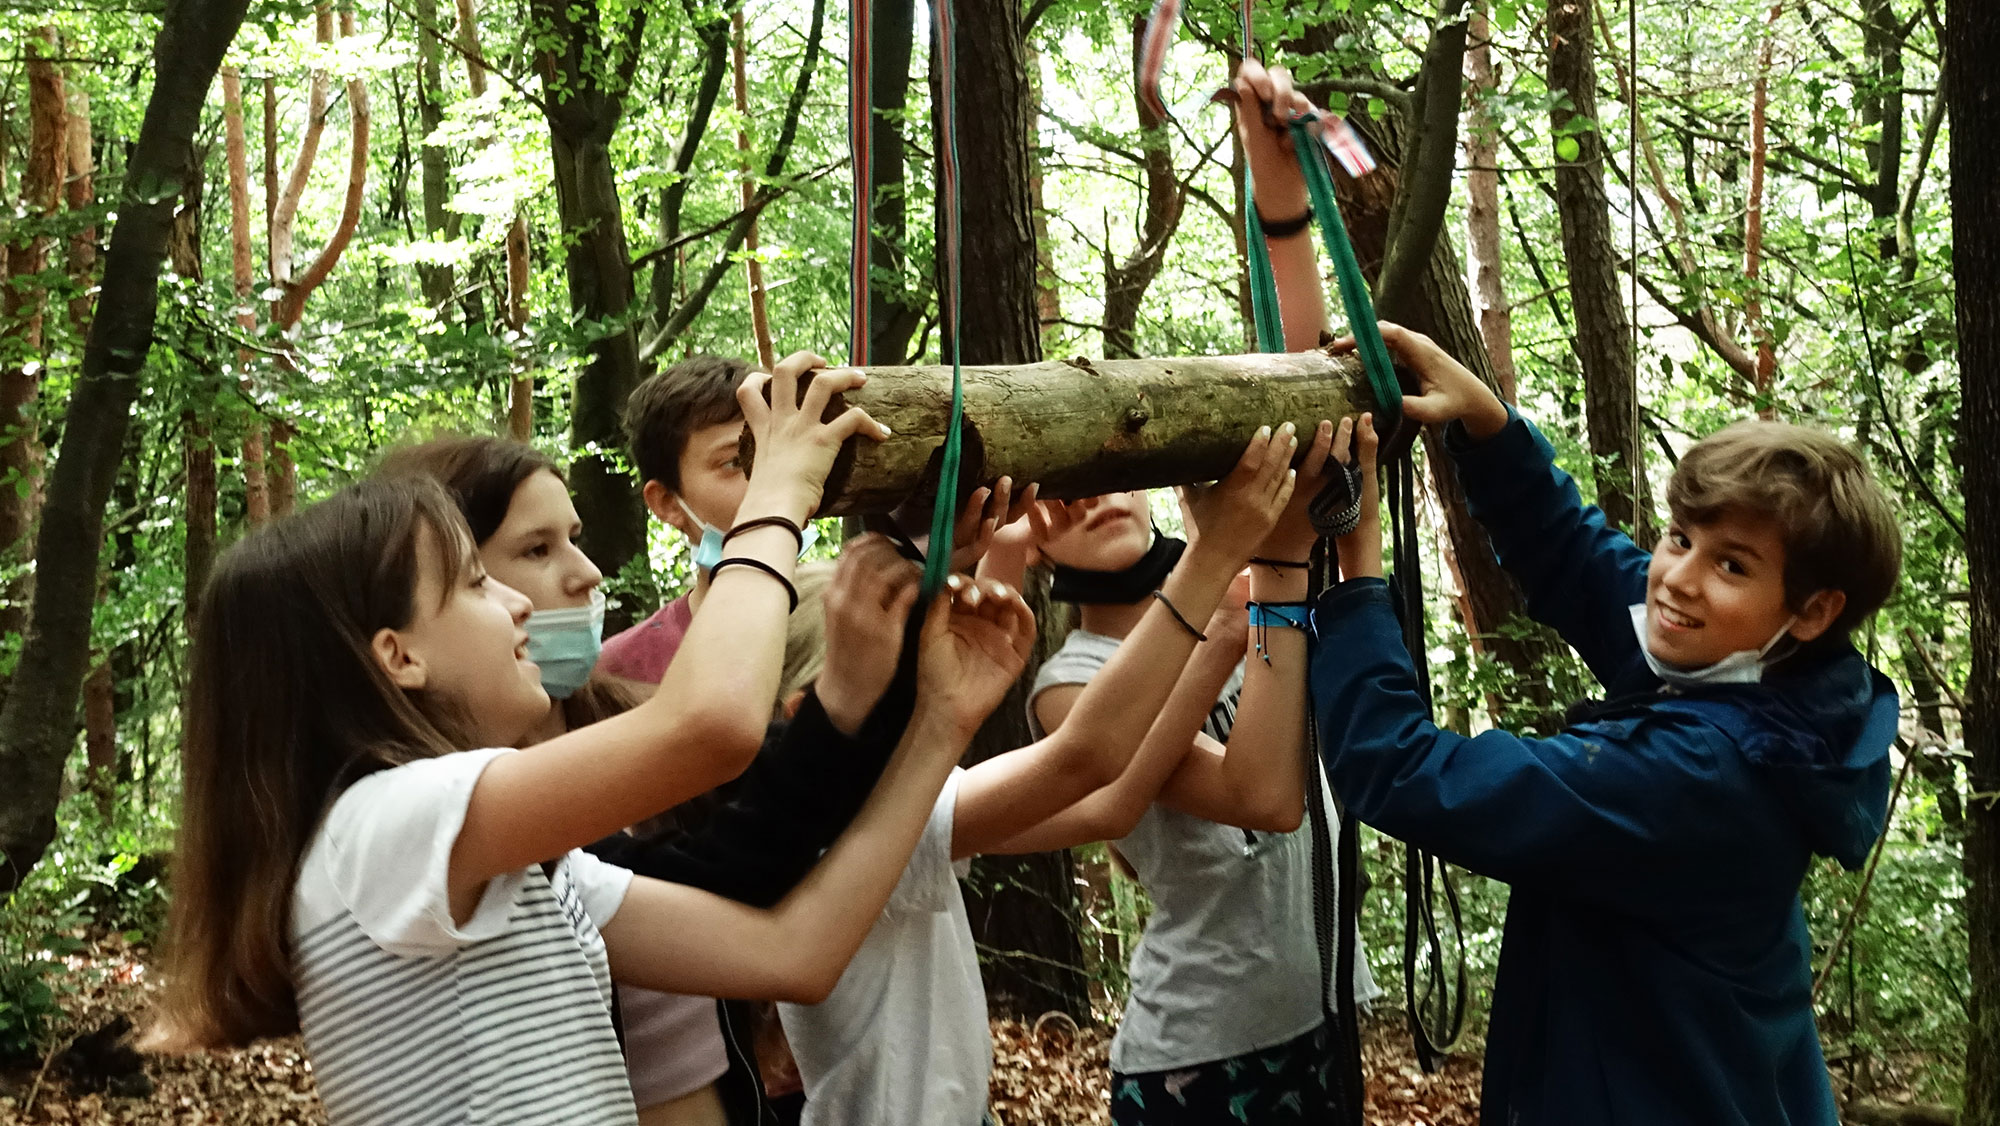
[1082, 427]
[38, 723]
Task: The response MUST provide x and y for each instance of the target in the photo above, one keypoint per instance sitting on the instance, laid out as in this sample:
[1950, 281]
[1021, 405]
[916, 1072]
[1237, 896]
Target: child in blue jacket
[1656, 966]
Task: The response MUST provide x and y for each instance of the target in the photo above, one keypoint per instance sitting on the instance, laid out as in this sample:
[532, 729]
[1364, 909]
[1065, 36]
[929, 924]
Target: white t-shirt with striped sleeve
[412, 1018]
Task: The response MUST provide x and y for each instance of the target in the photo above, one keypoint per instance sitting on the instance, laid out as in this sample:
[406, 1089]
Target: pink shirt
[643, 652]
[673, 1044]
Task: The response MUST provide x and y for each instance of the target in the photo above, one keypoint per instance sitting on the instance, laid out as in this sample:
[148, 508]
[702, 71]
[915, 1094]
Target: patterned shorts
[1286, 1083]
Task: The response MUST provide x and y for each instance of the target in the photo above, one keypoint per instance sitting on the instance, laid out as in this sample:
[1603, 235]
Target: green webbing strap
[944, 510]
[1354, 299]
[1264, 312]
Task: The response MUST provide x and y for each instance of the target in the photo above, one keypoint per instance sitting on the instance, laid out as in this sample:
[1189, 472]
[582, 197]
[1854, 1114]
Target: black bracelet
[1285, 228]
[1176, 612]
[791, 591]
[784, 522]
[1282, 564]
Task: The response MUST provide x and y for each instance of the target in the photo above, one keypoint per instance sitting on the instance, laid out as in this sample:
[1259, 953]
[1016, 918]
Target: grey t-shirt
[1228, 963]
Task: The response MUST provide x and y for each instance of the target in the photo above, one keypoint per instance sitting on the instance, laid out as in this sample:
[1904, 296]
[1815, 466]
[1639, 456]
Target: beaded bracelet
[1264, 615]
[791, 591]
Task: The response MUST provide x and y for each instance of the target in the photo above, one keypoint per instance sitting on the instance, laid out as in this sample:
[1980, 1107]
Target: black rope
[1336, 909]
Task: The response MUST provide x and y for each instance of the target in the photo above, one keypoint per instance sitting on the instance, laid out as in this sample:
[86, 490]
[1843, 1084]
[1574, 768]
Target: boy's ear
[1819, 614]
[660, 502]
[406, 670]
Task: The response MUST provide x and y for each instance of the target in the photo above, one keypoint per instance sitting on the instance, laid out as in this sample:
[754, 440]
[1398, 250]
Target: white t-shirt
[902, 1040]
[1229, 961]
[412, 1018]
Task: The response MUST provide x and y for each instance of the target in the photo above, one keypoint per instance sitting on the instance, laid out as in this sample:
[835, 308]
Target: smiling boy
[1656, 966]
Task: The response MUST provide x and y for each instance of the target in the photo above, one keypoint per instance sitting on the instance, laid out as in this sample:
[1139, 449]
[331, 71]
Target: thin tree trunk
[1126, 282]
[895, 300]
[760, 316]
[1024, 910]
[1972, 34]
[1753, 236]
[1482, 212]
[37, 724]
[584, 83]
[1603, 337]
[100, 734]
[436, 280]
[521, 389]
[80, 194]
[291, 306]
[24, 299]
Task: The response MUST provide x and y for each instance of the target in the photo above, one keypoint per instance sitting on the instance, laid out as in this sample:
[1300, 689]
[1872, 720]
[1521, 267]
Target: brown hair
[482, 473]
[669, 407]
[1838, 528]
[287, 705]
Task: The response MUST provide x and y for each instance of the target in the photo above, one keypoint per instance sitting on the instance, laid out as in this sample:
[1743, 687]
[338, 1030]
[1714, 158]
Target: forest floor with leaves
[1057, 1075]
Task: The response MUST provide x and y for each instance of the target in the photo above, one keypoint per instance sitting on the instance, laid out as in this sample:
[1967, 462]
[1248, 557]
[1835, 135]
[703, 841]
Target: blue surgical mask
[710, 551]
[565, 643]
[1745, 666]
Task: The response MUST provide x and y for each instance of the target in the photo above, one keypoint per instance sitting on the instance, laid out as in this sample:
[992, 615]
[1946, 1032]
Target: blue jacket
[1656, 966]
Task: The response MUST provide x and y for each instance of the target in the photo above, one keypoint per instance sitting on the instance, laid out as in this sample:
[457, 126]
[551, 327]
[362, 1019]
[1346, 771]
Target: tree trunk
[1482, 209]
[436, 280]
[1603, 333]
[585, 84]
[80, 194]
[521, 390]
[38, 723]
[1082, 428]
[1024, 909]
[895, 307]
[23, 303]
[1126, 282]
[1753, 225]
[753, 270]
[1972, 32]
[100, 734]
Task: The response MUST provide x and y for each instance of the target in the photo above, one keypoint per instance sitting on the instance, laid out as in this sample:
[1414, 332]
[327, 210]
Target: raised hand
[1446, 390]
[795, 450]
[867, 601]
[1265, 104]
[1292, 538]
[987, 511]
[1360, 551]
[975, 643]
[1236, 513]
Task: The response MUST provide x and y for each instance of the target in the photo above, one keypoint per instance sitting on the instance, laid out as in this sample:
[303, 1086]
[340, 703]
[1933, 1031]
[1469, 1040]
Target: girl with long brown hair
[351, 865]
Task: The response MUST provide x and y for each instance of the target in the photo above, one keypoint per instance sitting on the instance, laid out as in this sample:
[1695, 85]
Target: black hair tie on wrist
[1285, 228]
[1282, 564]
[791, 591]
[798, 533]
[1176, 612]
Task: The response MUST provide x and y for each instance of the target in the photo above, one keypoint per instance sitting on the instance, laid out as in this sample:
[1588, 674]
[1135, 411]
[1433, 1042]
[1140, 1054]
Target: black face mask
[1133, 584]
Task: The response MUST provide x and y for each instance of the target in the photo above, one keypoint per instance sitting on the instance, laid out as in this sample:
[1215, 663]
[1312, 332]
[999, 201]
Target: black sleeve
[807, 782]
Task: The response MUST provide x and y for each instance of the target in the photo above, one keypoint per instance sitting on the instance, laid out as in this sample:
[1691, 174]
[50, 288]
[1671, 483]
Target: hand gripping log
[1080, 427]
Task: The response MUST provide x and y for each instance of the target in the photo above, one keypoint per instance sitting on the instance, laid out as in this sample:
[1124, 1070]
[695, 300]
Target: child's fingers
[750, 398]
[853, 421]
[1343, 442]
[1370, 443]
[1286, 486]
[1321, 450]
[825, 385]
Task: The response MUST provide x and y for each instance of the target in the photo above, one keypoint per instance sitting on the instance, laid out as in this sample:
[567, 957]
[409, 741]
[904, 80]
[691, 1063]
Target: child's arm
[1258, 780]
[1578, 573]
[704, 723]
[677, 939]
[816, 770]
[1005, 795]
[1265, 104]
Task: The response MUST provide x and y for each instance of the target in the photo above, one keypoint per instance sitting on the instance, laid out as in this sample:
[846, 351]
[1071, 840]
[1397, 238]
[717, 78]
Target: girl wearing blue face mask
[688, 1057]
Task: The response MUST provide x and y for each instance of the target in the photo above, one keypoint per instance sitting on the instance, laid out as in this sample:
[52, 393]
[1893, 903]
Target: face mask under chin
[1745, 666]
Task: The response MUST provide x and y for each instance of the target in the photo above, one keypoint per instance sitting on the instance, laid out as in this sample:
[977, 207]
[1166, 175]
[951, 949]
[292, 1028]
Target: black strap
[1437, 1014]
[791, 591]
[784, 522]
[1336, 912]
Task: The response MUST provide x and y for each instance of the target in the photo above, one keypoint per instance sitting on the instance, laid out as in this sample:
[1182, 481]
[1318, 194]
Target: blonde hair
[805, 632]
[1837, 525]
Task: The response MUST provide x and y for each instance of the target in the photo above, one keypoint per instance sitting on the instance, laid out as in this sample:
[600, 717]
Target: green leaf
[1567, 148]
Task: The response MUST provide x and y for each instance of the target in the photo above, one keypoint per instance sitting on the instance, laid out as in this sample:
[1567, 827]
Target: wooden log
[1081, 427]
